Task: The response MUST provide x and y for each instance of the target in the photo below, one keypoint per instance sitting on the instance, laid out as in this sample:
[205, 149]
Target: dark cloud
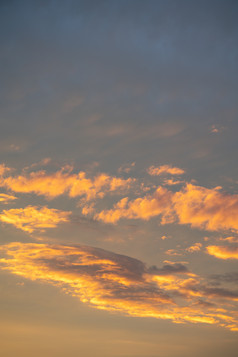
[231, 277]
[168, 269]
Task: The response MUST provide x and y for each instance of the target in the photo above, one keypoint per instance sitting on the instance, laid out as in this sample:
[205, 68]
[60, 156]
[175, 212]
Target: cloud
[64, 182]
[229, 239]
[4, 169]
[206, 208]
[5, 198]
[126, 168]
[223, 252]
[194, 248]
[164, 169]
[31, 218]
[172, 252]
[118, 283]
[140, 208]
[197, 206]
[171, 182]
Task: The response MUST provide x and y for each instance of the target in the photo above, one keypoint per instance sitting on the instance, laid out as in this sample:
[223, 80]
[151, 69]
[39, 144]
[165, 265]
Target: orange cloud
[4, 169]
[4, 198]
[194, 248]
[230, 239]
[113, 282]
[200, 207]
[223, 252]
[171, 182]
[206, 208]
[172, 252]
[31, 218]
[65, 182]
[165, 169]
[140, 208]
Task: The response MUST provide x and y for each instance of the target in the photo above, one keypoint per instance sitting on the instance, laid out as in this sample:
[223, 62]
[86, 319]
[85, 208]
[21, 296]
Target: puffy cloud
[114, 282]
[31, 218]
[5, 198]
[165, 169]
[140, 208]
[206, 208]
[198, 206]
[64, 181]
[194, 248]
[223, 252]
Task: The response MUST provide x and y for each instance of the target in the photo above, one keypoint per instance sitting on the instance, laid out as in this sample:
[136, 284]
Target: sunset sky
[119, 178]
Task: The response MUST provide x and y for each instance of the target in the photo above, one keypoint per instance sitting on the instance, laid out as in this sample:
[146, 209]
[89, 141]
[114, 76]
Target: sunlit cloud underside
[121, 284]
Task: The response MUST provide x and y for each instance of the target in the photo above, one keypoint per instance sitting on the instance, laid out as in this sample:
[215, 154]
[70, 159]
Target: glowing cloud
[206, 208]
[4, 198]
[113, 282]
[194, 248]
[165, 169]
[65, 182]
[31, 218]
[200, 207]
[223, 252]
[140, 208]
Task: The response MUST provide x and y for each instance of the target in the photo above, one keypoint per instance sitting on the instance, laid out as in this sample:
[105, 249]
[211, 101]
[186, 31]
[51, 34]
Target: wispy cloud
[113, 282]
[5, 198]
[32, 218]
[165, 169]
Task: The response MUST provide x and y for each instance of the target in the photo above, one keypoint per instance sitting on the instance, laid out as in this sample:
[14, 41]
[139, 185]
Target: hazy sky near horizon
[118, 177]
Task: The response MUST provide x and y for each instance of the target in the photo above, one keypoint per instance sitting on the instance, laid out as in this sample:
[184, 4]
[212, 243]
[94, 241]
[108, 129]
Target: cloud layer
[113, 282]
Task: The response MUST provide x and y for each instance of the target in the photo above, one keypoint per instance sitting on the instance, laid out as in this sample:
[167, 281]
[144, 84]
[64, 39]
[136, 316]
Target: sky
[118, 178]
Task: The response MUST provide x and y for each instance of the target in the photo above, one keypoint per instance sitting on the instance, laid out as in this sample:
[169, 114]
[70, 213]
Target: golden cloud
[31, 218]
[5, 198]
[118, 283]
[194, 248]
[165, 169]
[140, 208]
[206, 208]
[223, 252]
[64, 182]
[200, 207]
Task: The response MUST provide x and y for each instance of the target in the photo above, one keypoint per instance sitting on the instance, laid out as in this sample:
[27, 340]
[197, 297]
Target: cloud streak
[118, 283]
[164, 169]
